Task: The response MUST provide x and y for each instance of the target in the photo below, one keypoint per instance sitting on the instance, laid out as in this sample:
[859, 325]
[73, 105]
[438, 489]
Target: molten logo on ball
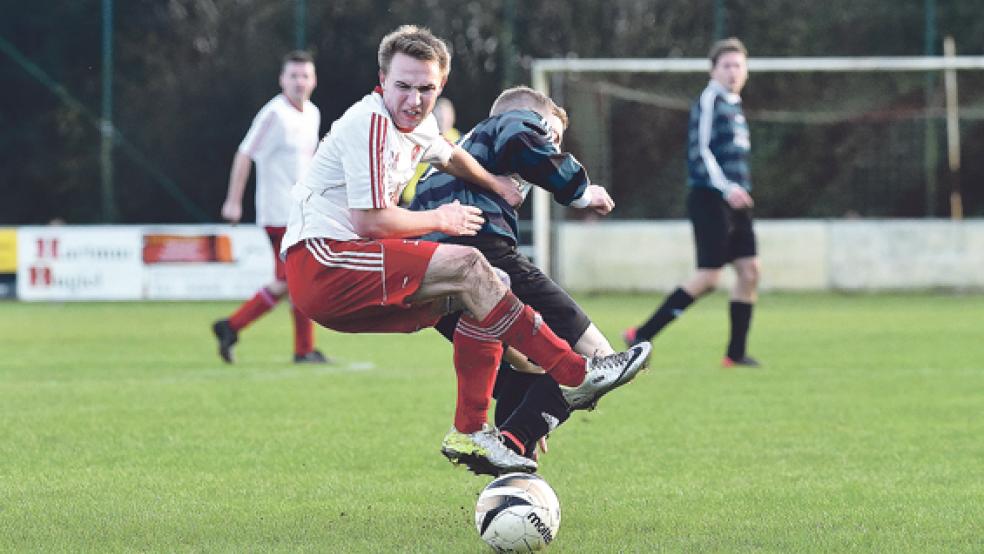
[518, 512]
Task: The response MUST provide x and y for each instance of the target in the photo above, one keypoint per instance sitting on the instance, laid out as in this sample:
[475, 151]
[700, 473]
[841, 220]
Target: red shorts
[276, 235]
[361, 286]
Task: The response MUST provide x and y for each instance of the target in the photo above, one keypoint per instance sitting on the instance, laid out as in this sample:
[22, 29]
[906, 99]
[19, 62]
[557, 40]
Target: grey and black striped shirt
[718, 141]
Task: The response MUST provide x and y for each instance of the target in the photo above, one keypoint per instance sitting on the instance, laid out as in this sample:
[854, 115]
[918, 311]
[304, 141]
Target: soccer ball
[517, 512]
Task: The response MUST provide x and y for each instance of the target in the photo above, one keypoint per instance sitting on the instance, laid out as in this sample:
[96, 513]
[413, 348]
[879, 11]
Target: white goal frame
[542, 68]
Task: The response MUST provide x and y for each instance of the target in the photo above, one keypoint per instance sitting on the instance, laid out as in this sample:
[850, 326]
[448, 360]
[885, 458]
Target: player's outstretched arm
[452, 219]
[463, 166]
[531, 154]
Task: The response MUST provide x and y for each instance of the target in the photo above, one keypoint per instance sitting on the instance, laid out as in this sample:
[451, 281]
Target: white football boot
[605, 373]
[484, 452]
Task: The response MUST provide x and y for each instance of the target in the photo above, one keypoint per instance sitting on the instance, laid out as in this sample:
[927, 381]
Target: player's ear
[382, 77]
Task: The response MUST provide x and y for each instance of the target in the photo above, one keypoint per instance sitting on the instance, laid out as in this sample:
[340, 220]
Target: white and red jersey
[364, 162]
[281, 141]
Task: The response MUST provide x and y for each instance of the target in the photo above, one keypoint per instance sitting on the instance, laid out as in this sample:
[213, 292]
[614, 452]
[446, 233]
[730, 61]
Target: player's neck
[295, 105]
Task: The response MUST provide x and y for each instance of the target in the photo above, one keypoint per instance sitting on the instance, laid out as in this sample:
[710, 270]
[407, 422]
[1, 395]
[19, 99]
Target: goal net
[831, 137]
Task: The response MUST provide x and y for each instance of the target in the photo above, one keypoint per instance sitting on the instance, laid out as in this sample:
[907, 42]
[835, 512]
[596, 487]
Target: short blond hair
[725, 46]
[416, 42]
[525, 98]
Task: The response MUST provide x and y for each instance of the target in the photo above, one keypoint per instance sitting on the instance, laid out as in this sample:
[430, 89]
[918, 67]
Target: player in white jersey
[282, 141]
[352, 267]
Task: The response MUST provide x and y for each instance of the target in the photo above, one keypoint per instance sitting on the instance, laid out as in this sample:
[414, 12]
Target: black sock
[741, 320]
[543, 408]
[675, 303]
[509, 389]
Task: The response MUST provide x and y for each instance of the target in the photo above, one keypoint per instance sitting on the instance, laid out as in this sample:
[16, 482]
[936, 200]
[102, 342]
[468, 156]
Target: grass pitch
[121, 431]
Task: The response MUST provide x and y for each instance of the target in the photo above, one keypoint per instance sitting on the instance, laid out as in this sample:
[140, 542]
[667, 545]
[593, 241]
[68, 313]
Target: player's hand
[739, 199]
[508, 190]
[458, 220]
[232, 211]
[542, 443]
[601, 201]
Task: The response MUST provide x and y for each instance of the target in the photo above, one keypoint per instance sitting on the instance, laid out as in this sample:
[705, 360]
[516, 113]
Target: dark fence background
[188, 76]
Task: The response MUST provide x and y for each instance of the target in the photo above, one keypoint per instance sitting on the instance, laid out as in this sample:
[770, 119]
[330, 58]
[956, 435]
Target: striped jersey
[281, 141]
[718, 141]
[515, 143]
[363, 162]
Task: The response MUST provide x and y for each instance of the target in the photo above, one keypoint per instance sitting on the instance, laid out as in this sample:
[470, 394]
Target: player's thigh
[377, 278]
[557, 308]
[276, 235]
[742, 242]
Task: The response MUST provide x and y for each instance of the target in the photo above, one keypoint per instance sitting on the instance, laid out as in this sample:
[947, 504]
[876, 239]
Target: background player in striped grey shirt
[718, 203]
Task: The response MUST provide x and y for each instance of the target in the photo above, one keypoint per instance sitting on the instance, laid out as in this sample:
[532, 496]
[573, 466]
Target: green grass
[120, 431]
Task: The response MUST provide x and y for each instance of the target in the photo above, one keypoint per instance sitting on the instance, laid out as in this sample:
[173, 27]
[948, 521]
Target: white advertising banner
[205, 262]
[79, 263]
[142, 262]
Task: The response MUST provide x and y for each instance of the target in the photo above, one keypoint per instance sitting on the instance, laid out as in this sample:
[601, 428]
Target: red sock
[519, 326]
[251, 310]
[476, 359]
[303, 332]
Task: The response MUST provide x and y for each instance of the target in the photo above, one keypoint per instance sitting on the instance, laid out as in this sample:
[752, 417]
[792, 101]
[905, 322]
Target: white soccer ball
[517, 512]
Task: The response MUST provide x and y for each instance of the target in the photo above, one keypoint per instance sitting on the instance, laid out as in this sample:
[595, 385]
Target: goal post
[543, 69]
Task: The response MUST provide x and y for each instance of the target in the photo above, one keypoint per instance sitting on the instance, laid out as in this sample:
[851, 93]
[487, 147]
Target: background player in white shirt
[351, 267]
[282, 141]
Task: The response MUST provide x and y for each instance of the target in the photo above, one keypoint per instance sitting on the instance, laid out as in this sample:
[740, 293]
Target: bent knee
[752, 278]
[749, 274]
[465, 263]
[277, 289]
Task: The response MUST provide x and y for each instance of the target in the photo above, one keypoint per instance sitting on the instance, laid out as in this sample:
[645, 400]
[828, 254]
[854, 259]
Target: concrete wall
[853, 255]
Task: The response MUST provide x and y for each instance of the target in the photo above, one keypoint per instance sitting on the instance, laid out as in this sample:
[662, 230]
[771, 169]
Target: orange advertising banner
[165, 248]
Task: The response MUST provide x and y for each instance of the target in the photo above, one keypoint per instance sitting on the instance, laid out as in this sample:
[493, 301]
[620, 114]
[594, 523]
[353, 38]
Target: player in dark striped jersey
[719, 204]
[522, 138]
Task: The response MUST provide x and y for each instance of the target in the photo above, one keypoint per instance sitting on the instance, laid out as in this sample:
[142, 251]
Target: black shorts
[531, 286]
[722, 234]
